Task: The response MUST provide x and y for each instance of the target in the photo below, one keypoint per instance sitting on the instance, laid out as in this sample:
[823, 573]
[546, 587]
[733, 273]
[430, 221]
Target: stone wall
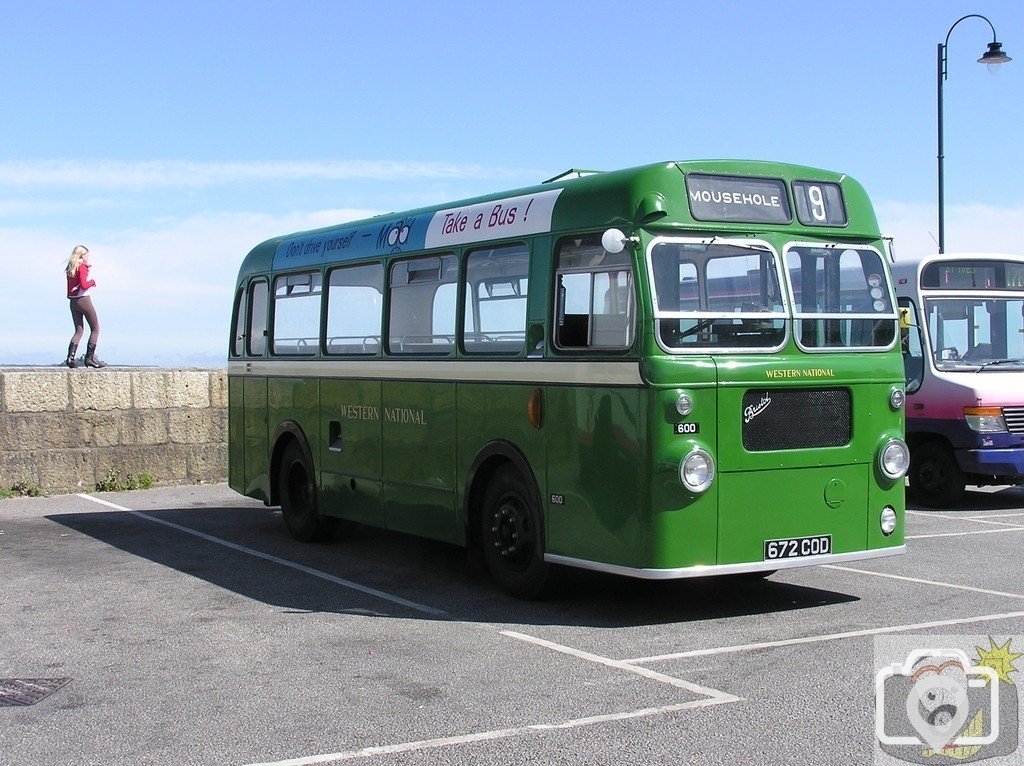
[63, 430]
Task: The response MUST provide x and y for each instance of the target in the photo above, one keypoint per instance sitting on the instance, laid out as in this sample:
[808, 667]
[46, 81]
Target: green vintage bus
[677, 370]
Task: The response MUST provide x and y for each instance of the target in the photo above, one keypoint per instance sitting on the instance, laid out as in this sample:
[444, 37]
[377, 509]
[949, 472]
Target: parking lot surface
[195, 631]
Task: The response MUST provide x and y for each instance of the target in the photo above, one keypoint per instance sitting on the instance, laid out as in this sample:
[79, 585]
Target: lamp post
[993, 57]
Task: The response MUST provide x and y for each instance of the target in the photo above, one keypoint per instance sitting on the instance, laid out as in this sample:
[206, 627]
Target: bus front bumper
[715, 570]
[992, 462]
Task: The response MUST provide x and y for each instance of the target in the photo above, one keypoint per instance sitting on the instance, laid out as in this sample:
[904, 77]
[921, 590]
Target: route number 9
[819, 203]
[817, 200]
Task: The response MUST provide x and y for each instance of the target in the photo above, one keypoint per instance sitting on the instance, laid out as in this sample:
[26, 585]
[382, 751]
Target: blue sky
[170, 138]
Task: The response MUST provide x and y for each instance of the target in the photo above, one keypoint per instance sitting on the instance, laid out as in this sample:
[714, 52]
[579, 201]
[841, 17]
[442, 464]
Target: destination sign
[819, 203]
[973, 275]
[737, 199]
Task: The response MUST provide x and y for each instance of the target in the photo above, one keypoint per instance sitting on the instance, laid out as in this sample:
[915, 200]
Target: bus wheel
[512, 535]
[935, 478]
[299, 498]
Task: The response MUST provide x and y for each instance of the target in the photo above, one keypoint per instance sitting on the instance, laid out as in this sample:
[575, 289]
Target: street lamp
[993, 57]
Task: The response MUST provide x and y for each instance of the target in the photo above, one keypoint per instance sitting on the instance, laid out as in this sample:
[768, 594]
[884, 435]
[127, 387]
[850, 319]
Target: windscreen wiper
[701, 325]
[999, 361]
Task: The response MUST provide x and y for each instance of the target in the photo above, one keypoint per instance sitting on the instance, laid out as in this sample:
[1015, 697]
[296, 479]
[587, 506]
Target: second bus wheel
[935, 478]
[512, 535]
[297, 490]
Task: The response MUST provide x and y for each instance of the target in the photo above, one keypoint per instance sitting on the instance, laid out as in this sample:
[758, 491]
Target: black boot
[90, 357]
[72, 350]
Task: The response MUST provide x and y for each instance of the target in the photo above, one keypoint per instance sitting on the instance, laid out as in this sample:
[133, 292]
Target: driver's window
[595, 303]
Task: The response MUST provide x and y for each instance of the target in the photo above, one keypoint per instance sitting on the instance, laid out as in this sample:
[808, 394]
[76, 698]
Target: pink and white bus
[964, 357]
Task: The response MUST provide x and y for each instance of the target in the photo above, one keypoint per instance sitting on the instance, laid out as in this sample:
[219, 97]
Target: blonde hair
[77, 257]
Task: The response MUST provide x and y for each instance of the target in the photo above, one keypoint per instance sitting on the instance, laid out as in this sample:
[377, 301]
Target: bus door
[254, 395]
[418, 402]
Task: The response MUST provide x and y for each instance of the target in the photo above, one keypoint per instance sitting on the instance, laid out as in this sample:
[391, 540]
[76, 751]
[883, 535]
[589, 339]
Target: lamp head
[994, 56]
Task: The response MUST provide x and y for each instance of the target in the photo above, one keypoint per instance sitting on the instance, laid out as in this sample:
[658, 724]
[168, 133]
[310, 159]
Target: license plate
[797, 547]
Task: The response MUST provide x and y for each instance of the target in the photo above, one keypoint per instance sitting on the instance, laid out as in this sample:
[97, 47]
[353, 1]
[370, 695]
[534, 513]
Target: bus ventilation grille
[795, 418]
[1014, 417]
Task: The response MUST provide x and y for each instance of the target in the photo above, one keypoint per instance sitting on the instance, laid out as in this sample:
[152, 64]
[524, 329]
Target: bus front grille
[1014, 417]
[795, 418]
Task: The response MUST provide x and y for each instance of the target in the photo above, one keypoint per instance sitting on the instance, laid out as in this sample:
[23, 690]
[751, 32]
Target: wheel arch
[492, 456]
[288, 431]
[918, 439]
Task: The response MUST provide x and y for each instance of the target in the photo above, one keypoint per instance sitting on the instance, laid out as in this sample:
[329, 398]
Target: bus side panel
[594, 466]
[257, 479]
[236, 434]
[296, 399]
[349, 450]
[488, 413]
[418, 427]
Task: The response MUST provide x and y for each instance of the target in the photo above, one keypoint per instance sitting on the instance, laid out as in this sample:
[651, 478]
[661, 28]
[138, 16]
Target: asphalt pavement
[195, 631]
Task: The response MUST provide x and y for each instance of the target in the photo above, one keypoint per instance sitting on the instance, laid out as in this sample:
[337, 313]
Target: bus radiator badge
[752, 411]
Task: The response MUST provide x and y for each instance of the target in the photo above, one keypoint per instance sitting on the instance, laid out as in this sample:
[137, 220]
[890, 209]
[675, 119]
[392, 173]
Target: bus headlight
[894, 459]
[985, 420]
[897, 398]
[697, 470]
[887, 521]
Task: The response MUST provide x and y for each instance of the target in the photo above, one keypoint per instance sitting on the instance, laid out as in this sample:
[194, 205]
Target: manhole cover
[17, 692]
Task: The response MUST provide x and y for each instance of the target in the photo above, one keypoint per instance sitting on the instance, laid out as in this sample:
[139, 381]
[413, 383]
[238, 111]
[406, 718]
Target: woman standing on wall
[82, 310]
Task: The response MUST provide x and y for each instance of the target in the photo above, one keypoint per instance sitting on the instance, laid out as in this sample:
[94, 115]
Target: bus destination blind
[737, 199]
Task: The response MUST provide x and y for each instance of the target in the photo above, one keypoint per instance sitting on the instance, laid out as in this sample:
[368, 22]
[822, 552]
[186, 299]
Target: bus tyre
[935, 478]
[512, 535]
[298, 494]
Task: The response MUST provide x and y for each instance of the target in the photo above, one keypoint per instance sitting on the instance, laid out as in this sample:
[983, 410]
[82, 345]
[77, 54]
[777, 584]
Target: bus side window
[237, 341]
[422, 315]
[596, 303]
[355, 295]
[910, 343]
[297, 314]
[497, 283]
[257, 335]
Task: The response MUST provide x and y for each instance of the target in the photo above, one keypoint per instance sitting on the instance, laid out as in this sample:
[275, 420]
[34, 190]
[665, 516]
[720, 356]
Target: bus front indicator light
[684, 405]
[985, 420]
[897, 398]
[894, 459]
[887, 521]
[697, 470]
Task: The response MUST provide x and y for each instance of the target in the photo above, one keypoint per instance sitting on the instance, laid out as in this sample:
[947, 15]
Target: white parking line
[283, 562]
[920, 581]
[1000, 515]
[976, 519]
[485, 736]
[964, 534]
[714, 694]
[823, 638]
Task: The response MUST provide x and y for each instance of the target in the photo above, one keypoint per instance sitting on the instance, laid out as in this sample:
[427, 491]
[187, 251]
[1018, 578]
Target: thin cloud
[114, 174]
[973, 228]
[13, 208]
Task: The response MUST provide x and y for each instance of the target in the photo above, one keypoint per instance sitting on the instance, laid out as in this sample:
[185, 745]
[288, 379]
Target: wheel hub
[512, 530]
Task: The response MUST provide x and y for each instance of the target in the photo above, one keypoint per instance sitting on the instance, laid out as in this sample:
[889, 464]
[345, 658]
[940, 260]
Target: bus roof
[652, 197]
